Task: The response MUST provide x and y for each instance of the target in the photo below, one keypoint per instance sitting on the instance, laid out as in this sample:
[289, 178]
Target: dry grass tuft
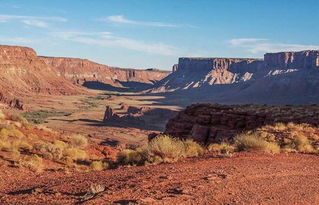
[252, 141]
[78, 140]
[99, 165]
[162, 149]
[222, 150]
[33, 162]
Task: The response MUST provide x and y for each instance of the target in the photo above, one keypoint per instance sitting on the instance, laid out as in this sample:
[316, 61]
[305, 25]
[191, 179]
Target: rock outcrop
[140, 117]
[79, 71]
[213, 123]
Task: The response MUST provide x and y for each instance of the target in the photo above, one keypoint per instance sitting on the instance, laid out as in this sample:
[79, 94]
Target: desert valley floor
[245, 178]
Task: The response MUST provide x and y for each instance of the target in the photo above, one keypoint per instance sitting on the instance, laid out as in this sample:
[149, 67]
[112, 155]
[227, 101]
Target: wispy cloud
[240, 41]
[107, 39]
[261, 46]
[122, 20]
[37, 21]
[15, 40]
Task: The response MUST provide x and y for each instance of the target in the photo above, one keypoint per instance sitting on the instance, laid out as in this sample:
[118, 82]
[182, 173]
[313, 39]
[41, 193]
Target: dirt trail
[247, 178]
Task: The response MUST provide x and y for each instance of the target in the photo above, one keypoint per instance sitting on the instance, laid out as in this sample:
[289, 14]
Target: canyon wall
[81, 70]
[292, 60]
[198, 72]
[23, 73]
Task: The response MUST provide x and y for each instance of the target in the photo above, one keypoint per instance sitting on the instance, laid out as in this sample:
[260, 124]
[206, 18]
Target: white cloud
[261, 46]
[121, 19]
[15, 40]
[36, 21]
[240, 41]
[107, 39]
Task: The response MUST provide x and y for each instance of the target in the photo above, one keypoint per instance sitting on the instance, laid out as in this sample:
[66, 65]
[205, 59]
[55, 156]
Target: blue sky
[154, 33]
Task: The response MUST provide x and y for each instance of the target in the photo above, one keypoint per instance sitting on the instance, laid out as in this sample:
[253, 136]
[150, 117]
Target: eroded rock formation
[213, 123]
[139, 117]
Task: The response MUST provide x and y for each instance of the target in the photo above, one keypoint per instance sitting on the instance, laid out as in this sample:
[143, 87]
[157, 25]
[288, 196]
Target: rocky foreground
[247, 178]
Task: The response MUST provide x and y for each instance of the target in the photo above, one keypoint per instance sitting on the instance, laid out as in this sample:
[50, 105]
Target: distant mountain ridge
[280, 78]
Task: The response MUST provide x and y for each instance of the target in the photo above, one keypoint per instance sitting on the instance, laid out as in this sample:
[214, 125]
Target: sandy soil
[87, 111]
[247, 178]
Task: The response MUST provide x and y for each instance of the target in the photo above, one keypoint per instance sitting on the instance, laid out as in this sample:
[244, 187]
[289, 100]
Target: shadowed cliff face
[198, 72]
[213, 123]
[281, 78]
[80, 71]
[292, 60]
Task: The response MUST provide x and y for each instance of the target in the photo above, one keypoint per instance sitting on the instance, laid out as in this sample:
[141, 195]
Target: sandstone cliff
[213, 123]
[198, 72]
[81, 70]
[292, 60]
[23, 73]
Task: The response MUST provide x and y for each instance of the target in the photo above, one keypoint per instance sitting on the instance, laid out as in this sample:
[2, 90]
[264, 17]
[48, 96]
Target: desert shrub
[4, 145]
[33, 162]
[280, 126]
[169, 149]
[99, 165]
[301, 143]
[254, 142]
[75, 154]
[193, 149]
[21, 146]
[14, 154]
[49, 150]
[162, 149]
[32, 136]
[2, 115]
[19, 118]
[78, 140]
[11, 133]
[223, 149]
[131, 157]
[40, 116]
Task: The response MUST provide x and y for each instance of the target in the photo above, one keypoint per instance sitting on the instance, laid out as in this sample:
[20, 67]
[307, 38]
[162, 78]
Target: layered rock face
[292, 60]
[81, 70]
[213, 123]
[23, 73]
[198, 72]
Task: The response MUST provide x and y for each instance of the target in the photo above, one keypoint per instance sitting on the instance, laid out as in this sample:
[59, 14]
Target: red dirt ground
[247, 178]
